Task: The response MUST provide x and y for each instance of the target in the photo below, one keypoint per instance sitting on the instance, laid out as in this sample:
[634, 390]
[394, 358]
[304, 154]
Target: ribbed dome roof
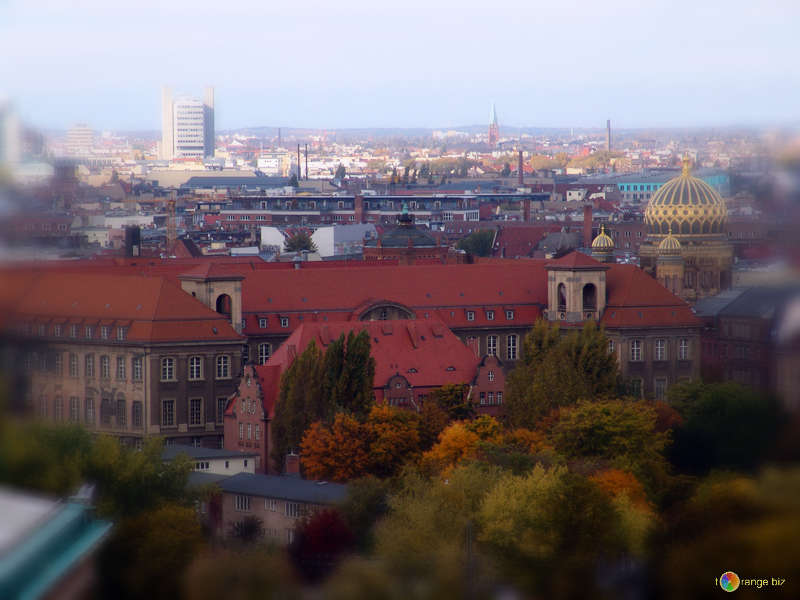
[603, 241]
[669, 245]
[687, 206]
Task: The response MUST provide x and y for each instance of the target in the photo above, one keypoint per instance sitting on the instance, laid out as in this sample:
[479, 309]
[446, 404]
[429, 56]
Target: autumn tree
[394, 439]
[298, 242]
[337, 453]
[556, 370]
[454, 399]
[321, 541]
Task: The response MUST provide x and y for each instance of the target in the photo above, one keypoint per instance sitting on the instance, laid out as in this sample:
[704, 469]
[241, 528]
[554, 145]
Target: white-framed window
[258, 432]
[683, 349]
[490, 375]
[137, 414]
[611, 347]
[636, 350]
[122, 413]
[88, 332]
[242, 503]
[660, 388]
[57, 330]
[136, 370]
[262, 323]
[223, 367]
[195, 368]
[470, 315]
[89, 365]
[104, 332]
[264, 352]
[483, 398]
[122, 334]
[73, 331]
[201, 465]
[195, 411]
[241, 431]
[636, 387]
[90, 409]
[499, 397]
[293, 509]
[270, 504]
[491, 345]
[289, 536]
[73, 365]
[58, 408]
[121, 368]
[661, 349]
[249, 431]
[74, 409]
[58, 363]
[511, 347]
[284, 322]
[167, 369]
[221, 402]
[490, 398]
[490, 315]
[509, 315]
[168, 413]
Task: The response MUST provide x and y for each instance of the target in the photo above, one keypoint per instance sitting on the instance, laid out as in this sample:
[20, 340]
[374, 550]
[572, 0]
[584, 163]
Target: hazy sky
[344, 63]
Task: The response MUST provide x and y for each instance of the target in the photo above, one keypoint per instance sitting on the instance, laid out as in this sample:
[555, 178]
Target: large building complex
[187, 126]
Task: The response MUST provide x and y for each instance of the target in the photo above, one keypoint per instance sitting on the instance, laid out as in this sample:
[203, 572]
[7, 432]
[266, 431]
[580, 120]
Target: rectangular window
[611, 348]
[168, 413]
[89, 365]
[122, 414]
[195, 368]
[105, 367]
[490, 398]
[483, 398]
[223, 367]
[490, 375]
[683, 349]
[470, 315]
[168, 369]
[90, 410]
[270, 504]
[122, 334]
[121, 367]
[284, 322]
[660, 388]
[57, 330]
[221, 409]
[636, 350]
[88, 332]
[73, 331]
[249, 431]
[293, 509]
[137, 415]
[258, 431]
[264, 352]
[661, 349]
[490, 315]
[491, 345]
[58, 408]
[58, 364]
[241, 431]
[137, 369]
[104, 332]
[74, 409]
[242, 503]
[499, 397]
[262, 323]
[511, 347]
[195, 411]
[509, 315]
[636, 387]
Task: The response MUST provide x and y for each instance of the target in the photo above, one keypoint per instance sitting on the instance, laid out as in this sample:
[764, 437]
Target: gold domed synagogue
[687, 248]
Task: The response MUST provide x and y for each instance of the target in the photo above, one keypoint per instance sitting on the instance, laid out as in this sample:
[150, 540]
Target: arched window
[224, 305]
[562, 297]
[589, 297]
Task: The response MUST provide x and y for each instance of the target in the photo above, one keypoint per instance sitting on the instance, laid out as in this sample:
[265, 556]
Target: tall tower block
[209, 141]
[494, 131]
[608, 135]
[167, 128]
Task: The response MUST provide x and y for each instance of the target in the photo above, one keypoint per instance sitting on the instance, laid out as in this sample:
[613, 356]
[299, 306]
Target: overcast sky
[433, 63]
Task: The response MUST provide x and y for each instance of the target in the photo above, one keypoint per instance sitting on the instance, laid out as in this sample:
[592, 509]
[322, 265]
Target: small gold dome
[686, 205]
[603, 241]
[669, 245]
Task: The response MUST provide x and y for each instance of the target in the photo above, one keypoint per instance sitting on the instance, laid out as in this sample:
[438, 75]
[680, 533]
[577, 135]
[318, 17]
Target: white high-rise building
[80, 140]
[187, 125]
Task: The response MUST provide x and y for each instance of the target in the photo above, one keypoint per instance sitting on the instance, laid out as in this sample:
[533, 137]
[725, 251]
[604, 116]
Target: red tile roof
[575, 260]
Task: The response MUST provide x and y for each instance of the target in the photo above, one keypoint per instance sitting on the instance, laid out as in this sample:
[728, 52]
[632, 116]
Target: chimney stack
[306, 161]
[292, 465]
[587, 226]
[299, 165]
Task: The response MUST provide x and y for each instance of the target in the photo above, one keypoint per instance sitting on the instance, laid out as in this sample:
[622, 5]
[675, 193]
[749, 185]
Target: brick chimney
[519, 170]
[292, 465]
[359, 209]
[526, 210]
[587, 226]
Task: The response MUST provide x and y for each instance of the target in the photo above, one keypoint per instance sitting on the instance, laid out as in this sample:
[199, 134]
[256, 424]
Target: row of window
[491, 398]
[490, 315]
[195, 368]
[295, 510]
[196, 412]
[512, 344]
[109, 409]
[660, 349]
[120, 365]
[75, 331]
[263, 322]
[250, 431]
[660, 385]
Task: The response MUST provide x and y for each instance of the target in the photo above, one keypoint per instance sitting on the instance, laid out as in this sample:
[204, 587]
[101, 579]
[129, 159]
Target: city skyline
[355, 65]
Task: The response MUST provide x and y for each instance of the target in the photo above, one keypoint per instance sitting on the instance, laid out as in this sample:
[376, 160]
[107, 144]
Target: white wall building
[187, 126]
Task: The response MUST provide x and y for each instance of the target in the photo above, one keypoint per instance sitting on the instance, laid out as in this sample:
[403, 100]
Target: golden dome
[686, 205]
[603, 241]
[669, 245]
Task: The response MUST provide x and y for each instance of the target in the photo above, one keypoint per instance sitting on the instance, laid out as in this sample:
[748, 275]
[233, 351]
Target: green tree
[298, 242]
[248, 531]
[293, 181]
[453, 398]
[252, 575]
[478, 243]
[341, 172]
[506, 171]
[726, 426]
[558, 371]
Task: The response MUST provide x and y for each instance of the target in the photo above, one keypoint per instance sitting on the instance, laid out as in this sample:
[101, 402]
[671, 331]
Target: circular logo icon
[729, 581]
